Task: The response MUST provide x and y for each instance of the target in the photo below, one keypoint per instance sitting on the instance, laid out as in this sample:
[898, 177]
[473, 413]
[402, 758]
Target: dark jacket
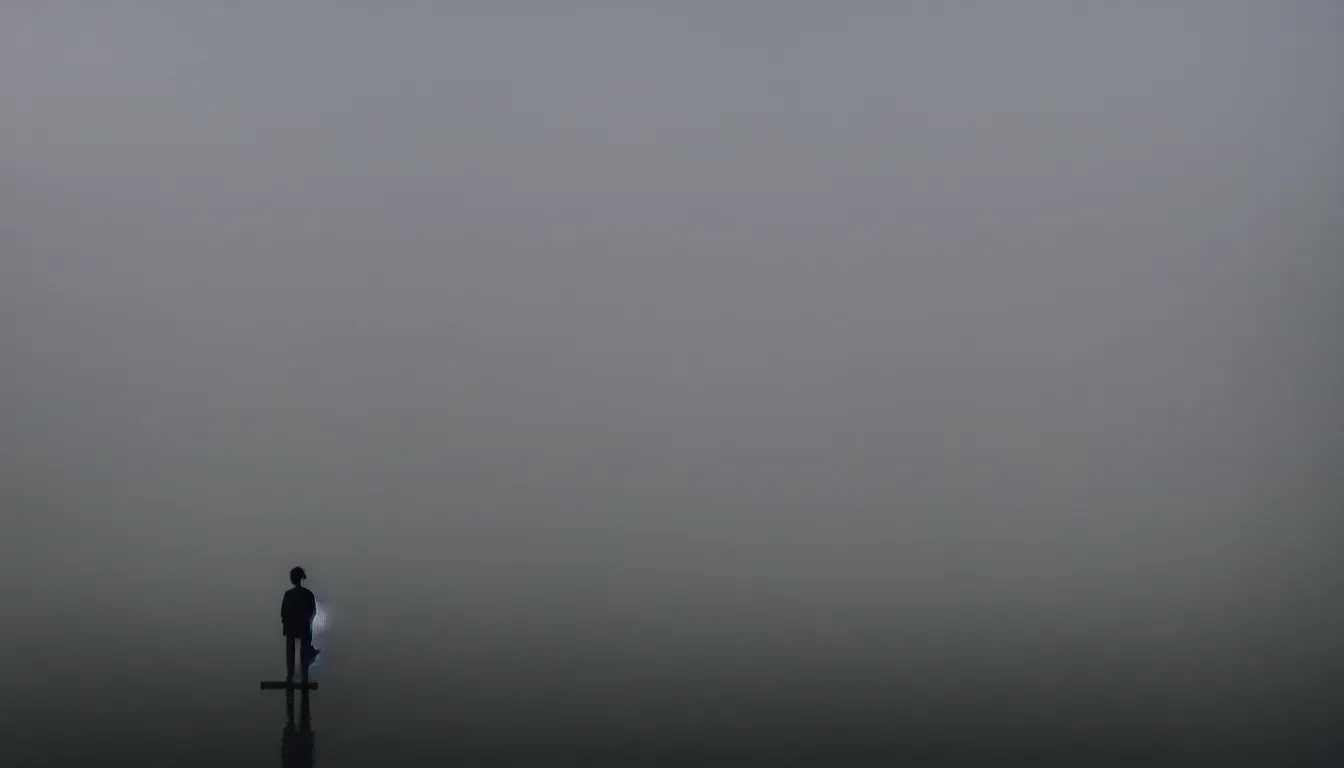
[297, 611]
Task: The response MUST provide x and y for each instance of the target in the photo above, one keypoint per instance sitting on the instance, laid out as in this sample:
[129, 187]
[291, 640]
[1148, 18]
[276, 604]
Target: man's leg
[309, 652]
[291, 643]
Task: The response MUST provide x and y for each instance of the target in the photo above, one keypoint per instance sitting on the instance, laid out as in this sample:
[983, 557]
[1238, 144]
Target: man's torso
[297, 611]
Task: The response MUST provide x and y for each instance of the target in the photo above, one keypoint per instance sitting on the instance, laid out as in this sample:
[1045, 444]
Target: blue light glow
[319, 620]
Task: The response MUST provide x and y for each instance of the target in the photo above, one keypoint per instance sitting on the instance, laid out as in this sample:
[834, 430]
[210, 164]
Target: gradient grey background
[735, 378]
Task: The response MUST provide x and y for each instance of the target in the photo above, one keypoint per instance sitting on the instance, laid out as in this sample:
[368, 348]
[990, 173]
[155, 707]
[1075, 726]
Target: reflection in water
[296, 746]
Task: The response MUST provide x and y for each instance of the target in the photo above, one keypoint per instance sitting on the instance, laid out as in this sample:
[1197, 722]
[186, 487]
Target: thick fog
[908, 344]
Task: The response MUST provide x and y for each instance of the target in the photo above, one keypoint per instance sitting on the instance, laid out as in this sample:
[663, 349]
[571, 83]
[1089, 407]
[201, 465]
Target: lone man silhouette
[296, 618]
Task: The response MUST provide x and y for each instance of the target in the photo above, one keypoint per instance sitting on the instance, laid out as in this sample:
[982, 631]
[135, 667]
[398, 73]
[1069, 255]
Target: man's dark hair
[296, 575]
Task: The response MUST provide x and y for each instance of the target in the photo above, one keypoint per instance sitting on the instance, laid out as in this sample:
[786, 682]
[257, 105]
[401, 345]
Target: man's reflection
[296, 747]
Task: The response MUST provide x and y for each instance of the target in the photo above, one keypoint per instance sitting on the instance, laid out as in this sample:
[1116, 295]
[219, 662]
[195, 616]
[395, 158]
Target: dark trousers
[297, 645]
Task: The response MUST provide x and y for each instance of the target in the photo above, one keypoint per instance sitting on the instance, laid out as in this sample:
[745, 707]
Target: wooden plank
[281, 685]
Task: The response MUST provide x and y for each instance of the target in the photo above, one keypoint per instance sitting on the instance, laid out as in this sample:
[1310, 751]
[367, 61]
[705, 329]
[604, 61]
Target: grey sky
[839, 326]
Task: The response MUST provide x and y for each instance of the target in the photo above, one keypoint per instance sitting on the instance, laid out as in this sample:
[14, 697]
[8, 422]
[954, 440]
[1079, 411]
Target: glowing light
[319, 619]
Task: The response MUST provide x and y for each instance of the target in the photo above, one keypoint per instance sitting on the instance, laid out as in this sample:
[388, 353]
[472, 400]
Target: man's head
[296, 575]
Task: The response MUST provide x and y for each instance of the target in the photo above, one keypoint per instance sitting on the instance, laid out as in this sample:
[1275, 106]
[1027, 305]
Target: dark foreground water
[94, 700]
